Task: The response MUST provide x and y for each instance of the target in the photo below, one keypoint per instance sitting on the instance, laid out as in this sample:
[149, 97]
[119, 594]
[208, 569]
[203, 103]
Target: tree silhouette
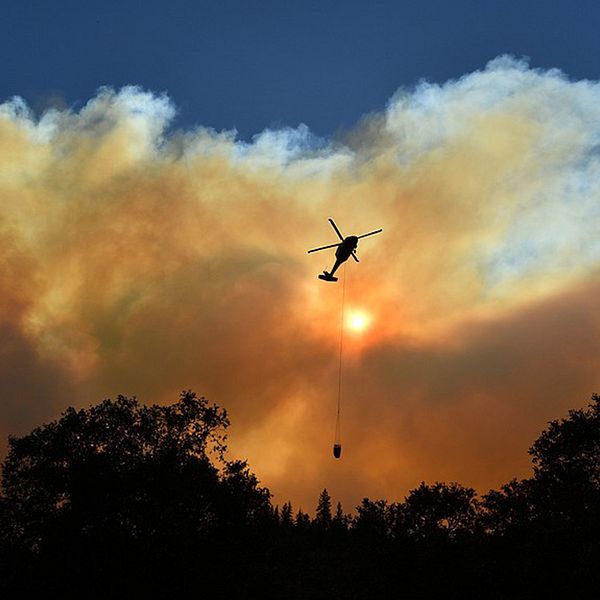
[512, 508]
[302, 520]
[130, 499]
[546, 528]
[287, 520]
[565, 488]
[568, 450]
[323, 512]
[122, 467]
[566, 464]
[340, 520]
[121, 477]
[440, 510]
[372, 522]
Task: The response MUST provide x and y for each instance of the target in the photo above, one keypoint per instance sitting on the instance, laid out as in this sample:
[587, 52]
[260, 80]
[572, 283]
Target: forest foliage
[127, 498]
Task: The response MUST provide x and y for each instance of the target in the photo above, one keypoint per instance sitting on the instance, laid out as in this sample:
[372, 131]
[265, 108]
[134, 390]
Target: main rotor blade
[370, 233]
[324, 248]
[355, 257]
[336, 229]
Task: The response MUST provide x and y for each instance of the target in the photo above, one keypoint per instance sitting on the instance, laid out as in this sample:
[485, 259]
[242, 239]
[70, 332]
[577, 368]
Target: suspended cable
[337, 445]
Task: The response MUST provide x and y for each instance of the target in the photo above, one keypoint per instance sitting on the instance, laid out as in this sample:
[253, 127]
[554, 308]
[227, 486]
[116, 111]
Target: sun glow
[358, 321]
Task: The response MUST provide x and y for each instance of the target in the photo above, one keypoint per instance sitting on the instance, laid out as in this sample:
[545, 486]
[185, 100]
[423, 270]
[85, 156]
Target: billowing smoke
[141, 260]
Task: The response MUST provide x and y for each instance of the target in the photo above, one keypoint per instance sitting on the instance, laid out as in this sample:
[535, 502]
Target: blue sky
[251, 65]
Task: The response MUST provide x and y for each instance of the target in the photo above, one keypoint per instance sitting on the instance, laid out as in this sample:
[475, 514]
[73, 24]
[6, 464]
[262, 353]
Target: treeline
[125, 499]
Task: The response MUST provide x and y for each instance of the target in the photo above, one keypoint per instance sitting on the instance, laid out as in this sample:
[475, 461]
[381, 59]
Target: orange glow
[139, 263]
[358, 321]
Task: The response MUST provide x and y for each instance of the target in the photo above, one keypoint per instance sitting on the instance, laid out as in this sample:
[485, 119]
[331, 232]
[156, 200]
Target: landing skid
[327, 277]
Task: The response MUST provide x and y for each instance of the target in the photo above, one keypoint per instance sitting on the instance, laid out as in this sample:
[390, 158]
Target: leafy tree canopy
[122, 468]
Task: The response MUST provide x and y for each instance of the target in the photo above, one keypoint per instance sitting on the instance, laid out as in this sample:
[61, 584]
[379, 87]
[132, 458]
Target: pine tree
[323, 513]
[339, 513]
[302, 520]
[286, 515]
[339, 520]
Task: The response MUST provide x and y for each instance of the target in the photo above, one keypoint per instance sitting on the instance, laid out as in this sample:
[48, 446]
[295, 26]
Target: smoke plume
[143, 260]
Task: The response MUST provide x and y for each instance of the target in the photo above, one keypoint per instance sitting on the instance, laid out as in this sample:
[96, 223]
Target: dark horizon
[144, 500]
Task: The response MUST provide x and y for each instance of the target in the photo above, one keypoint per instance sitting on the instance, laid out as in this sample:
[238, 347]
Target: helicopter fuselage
[342, 253]
[346, 248]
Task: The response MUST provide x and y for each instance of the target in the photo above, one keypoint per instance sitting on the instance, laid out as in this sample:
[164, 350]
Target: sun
[358, 321]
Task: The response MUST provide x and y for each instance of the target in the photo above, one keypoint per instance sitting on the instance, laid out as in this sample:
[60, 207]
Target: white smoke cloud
[142, 259]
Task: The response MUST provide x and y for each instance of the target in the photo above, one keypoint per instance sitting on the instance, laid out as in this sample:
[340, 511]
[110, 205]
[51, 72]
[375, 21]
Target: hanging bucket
[337, 450]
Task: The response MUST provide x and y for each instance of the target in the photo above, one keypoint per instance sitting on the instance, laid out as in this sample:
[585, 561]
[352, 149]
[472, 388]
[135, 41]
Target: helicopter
[345, 249]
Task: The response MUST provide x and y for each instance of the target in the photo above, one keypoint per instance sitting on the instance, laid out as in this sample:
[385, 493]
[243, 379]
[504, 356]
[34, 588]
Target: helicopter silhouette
[345, 249]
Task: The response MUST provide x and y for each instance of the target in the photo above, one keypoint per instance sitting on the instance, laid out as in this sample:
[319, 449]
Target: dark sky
[249, 64]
